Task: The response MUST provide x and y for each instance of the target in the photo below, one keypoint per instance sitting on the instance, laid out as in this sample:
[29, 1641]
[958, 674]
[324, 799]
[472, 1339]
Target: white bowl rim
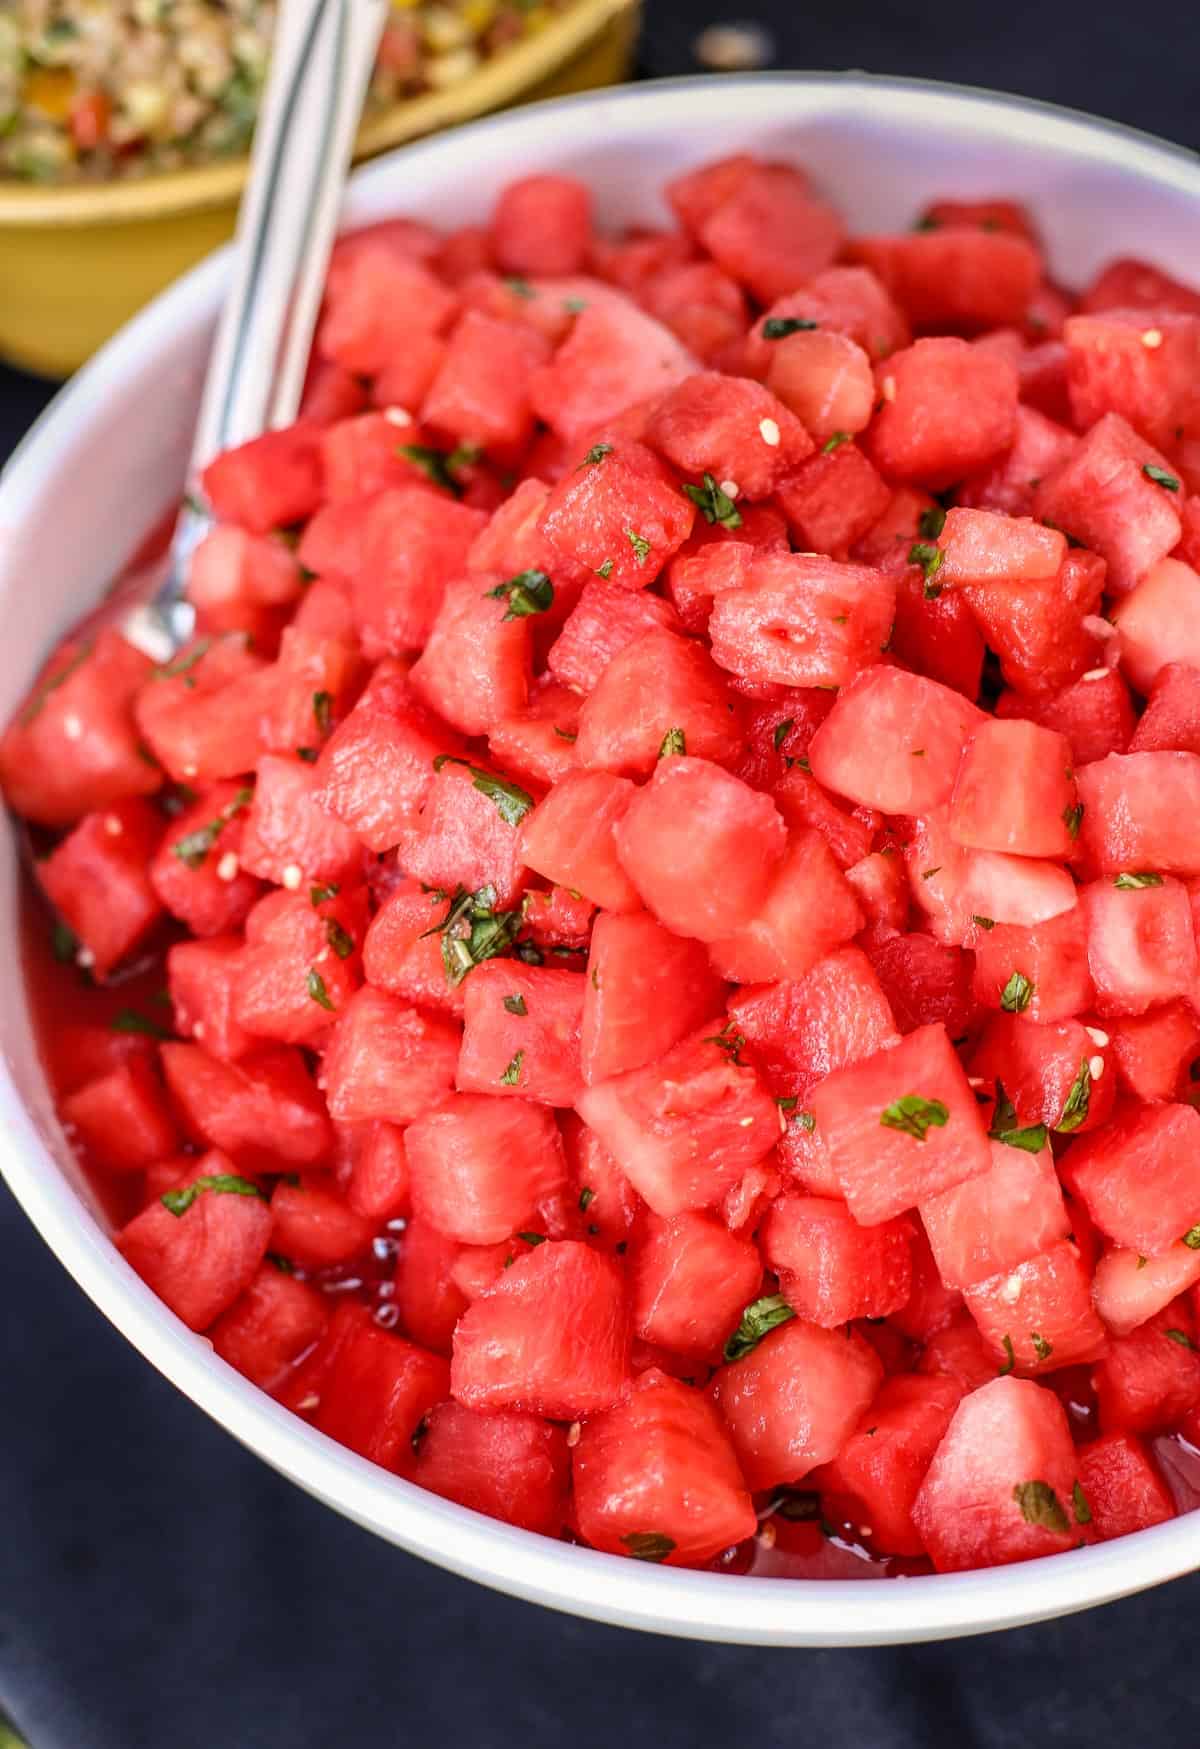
[698, 1605]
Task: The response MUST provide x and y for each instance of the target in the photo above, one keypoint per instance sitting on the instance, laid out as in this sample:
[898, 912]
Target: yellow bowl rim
[497, 83]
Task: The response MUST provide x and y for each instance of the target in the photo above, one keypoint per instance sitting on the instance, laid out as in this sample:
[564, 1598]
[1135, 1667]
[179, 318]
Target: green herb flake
[527, 593]
[533, 1238]
[983, 922]
[512, 1075]
[1134, 882]
[315, 985]
[1041, 1347]
[338, 938]
[788, 1104]
[574, 306]
[587, 1197]
[520, 288]
[779, 327]
[1011, 1360]
[1073, 819]
[927, 874]
[178, 1202]
[64, 943]
[129, 1020]
[732, 1043]
[914, 1116]
[931, 522]
[516, 1005]
[758, 1320]
[1032, 1138]
[1016, 994]
[433, 464]
[308, 754]
[835, 441]
[782, 731]
[512, 802]
[1180, 1338]
[713, 502]
[648, 1545]
[674, 744]
[1161, 477]
[323, 711]
[1192, 1239]
[806, 1120]
[565, 734]
[606, 570]
[1079, 1500]
[595, 455]
[1041, 1506]
[321, 895]
[193, 847]
[930, 559]
[641, 547]
[1078, 1099]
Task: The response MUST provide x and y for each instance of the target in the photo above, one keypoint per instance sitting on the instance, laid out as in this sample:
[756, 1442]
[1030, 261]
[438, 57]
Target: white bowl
[106, 461]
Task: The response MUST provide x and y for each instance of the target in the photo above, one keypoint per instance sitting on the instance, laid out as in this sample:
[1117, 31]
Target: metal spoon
[321, 62]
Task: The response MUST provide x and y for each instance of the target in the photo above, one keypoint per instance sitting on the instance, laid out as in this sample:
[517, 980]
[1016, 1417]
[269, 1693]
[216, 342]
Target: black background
[161, 1589]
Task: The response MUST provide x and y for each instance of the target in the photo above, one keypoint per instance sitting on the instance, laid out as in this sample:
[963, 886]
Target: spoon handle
[321, 63]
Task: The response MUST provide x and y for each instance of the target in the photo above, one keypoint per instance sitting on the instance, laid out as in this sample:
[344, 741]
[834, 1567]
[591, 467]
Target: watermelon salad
[640, 972]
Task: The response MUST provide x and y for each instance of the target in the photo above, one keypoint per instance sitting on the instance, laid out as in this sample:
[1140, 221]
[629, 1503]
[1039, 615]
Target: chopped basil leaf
[648, 1545]
[1083, 1512]
[806, 1120]
[1192, 1238]
[1041, 1347]
[516, 1005]
[835, 441]
[315, 984]
[1004, 1128]
[574, 306]
[308, 754]
[596, 454]
[714, 503]
[178, 1202]
[1180, 1337]
[606, 570]
[533, 1238]
[489, 933]
[1012, 1359]
[914, 1116]
[782, 731]
[193, 847]
[529, 953]
[758, 1320]
[129, 1020]
[1133, 883]
[931, 522]
[1040, 1505]
[1073, 819]
[641, 548]
[673, 743]
[728, 1041]
[587, 1197]
[527, 593]
[930, 560]
[1161, 477]
[1016, 994]
[788, 1104]
[983, 922]
[64, 943]
[565, 734]
[321, 895]
[779, 327]
[33, 708]
[512, 802]
[512, 1075]
[1076, 1109]
[323, 710]
[338, 938]
[519, 287]
[433, 464]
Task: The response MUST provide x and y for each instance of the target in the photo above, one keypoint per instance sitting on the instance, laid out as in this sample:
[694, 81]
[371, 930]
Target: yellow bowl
[76, 262]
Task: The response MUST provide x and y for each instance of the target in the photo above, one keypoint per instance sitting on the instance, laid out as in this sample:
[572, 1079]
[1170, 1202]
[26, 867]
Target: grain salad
[91, 89]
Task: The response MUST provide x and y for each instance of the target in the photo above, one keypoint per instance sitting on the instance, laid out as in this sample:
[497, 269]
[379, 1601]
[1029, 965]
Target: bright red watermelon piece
[509, 1465]
[645, 990]
[480, 1169]
[830, 1269]
[873, 1481]
[1139, 1178]
[1123, 1486]
[690, 1279]
[999, 1219]
[893, 741]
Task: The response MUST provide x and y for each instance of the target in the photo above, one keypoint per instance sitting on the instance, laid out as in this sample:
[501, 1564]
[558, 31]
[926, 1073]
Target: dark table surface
[161, 1589]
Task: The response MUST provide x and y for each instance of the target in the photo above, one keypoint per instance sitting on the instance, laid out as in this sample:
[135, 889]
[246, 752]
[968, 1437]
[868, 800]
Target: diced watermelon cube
[202, 978]
[991, 1223]
[1128, 283]
[1139, 1177]
[1137, 813]
[73, 745]
[1050, 958]
[826, 381]
[569, 837]
[833, 501]
[770, 233]
[414, 542]
[481, 1168]
[511, 1466]
[197, 870]
[799, 620]
[948, 410]
[940, 638]
[832, 1270]
[238, 581]
[686, 1127]
[289, 838]
[794, 1400]
[901, 1125]
[619, 513]
[1122, 1485]
[199, 716]
[270, 1326]
[873, 1481]
[314, 1227]
[1102, 495]
[430, 1302]
[1139, 364]
[270, 482]
[199, 1261]
[893, 741]
[359, 457]
[957, 1351]
[263, 1112]
[801, 1030]
[614, 357]
[700, 847]
[1129, 1288]
[1008, 485]
[1141, 945]
[377, 300]
[300, 966]
[402, 951]
[804, 804]
[467, 835]
[1001, 1484]
[953, 278]
[690, 1279]
[715, 424]
[378, 1390]
[880, 882]
[1059, 1075]
[980, 546]
[1095, 714]
[537, 743]
[1154, 1051]
[550, 1335]
[645, 990]
[122, 1120]
[1150, 1379]
[480, 396]
[521, 1036]
[606, 1198]
[1159, 623]
[475, 667]
[387, 1060]
[808, 910]
[844, 300]
[1171, 719]
[97, 880]
[656, 1477]
[657, 685]
[542, 224]
[605, 620]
